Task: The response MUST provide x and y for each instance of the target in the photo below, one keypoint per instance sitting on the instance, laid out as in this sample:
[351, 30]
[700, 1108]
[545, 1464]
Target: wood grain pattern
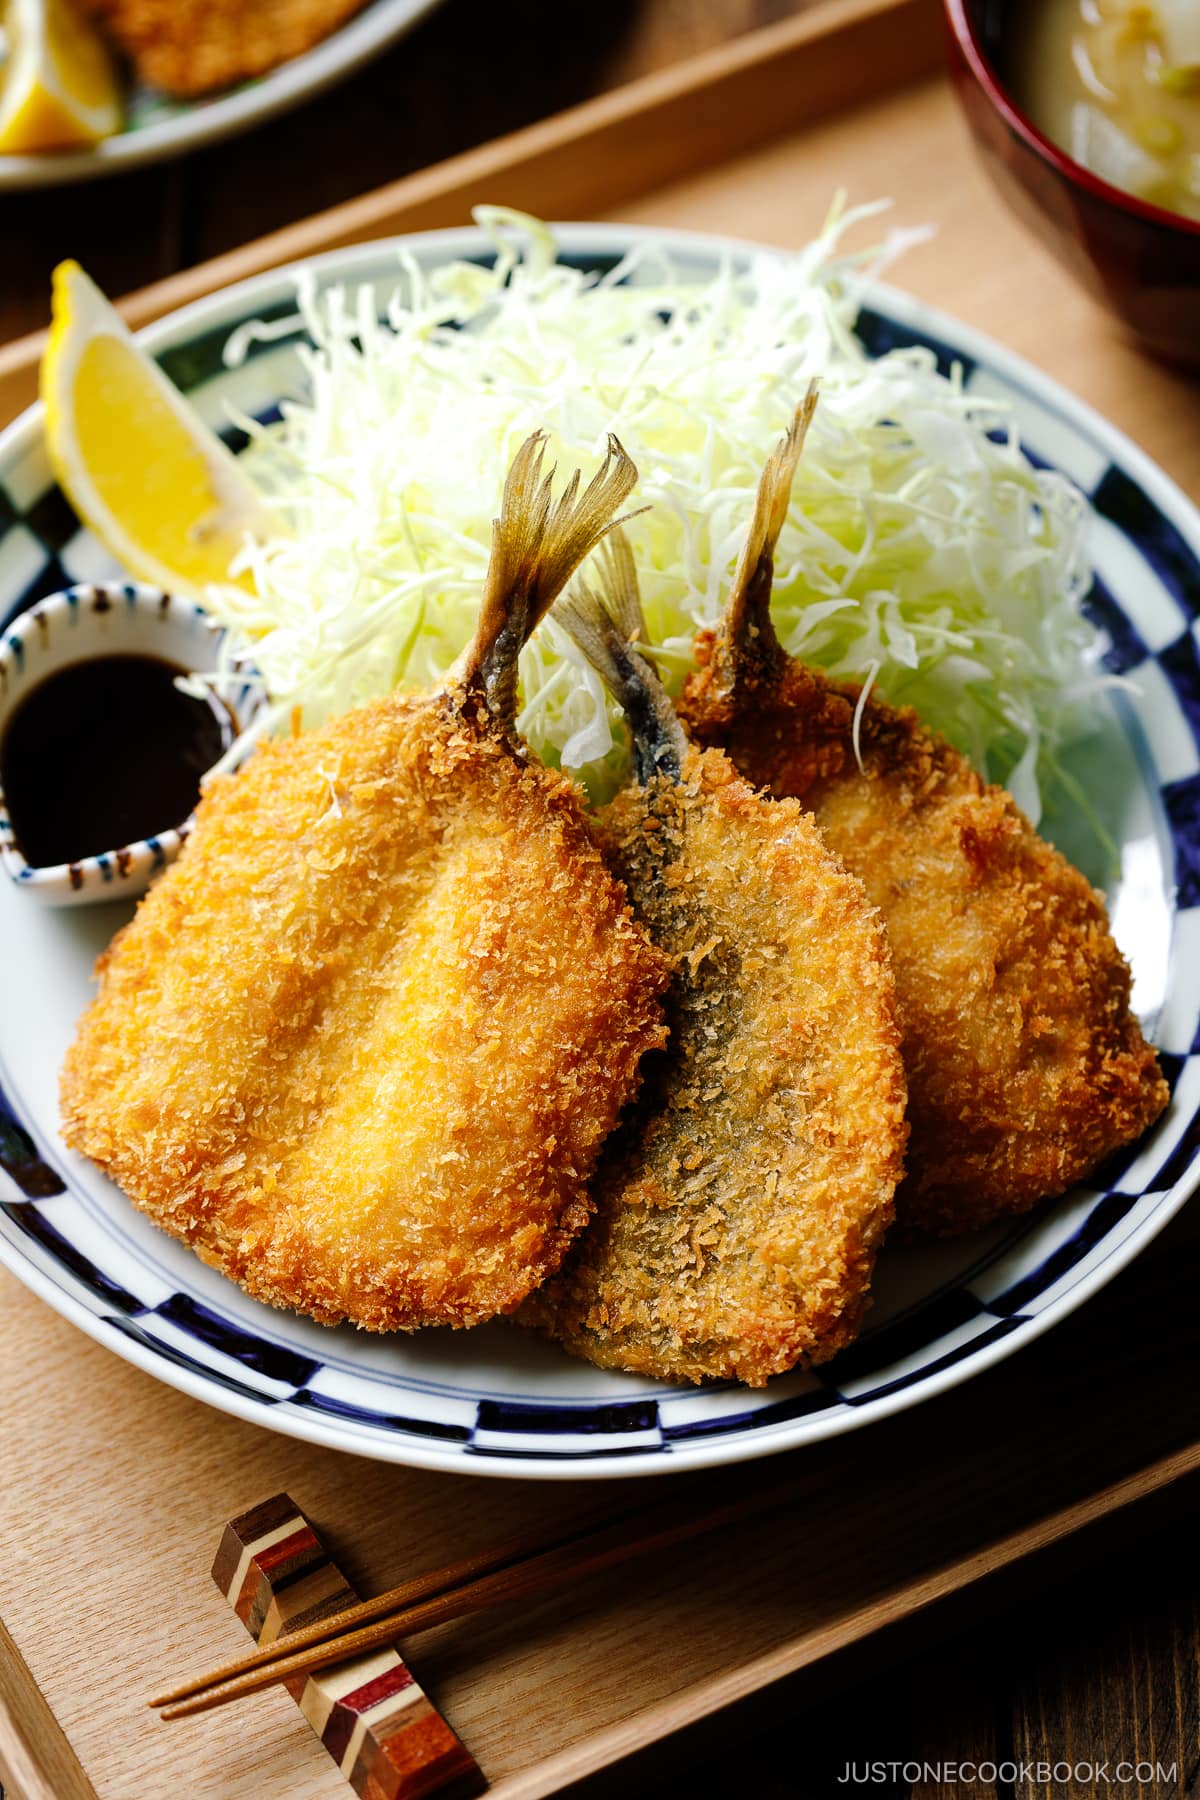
[888, 1523]
[471, 71]
[1113, 1679]
[575, 165]
[36, 1761]
[897, 1519]
[370, 1712]
[955, 1720]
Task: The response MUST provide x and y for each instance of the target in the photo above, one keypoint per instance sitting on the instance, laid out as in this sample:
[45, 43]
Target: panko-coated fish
[740, 1207]
[190, 47]
[1026, 1065]
[361, 1046]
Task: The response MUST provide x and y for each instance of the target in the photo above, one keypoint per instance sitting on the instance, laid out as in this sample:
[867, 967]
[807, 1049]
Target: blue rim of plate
[77, 1256]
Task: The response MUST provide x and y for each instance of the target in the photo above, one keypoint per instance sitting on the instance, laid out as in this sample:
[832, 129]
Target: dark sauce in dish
[104, 752]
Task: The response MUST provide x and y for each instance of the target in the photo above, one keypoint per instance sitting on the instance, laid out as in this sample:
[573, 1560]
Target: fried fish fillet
[740, 1207]
[191, 47]
[1026, 1065]
[361, 1046]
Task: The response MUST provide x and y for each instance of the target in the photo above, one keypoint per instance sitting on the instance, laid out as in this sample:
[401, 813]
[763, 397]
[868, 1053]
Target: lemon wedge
[58, 86]
[158, 488]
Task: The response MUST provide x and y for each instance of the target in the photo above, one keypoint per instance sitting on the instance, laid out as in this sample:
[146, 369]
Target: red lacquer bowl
[1142, 262]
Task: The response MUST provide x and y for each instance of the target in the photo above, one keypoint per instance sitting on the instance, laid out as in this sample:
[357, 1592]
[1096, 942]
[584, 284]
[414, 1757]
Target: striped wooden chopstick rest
[381, 1729]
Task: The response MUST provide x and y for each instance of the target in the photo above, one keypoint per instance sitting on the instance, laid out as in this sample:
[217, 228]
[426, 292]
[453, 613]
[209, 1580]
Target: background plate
[491, 1401]
[157, 128]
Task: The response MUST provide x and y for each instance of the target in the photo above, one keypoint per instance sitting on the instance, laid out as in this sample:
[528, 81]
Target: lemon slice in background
[58, 84]
[158, 488]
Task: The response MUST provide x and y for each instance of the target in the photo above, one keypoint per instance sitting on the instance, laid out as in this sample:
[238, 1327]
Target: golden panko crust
[361, 1046]
[191, 47]
[1025, 1063]
[740, 1207]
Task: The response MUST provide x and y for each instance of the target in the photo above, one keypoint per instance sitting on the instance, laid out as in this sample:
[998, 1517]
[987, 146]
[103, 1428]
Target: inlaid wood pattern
[106, 1471]
[380, 1728]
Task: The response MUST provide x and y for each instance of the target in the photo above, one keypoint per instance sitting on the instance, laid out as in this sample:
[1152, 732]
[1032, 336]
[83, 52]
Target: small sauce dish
[101, 755]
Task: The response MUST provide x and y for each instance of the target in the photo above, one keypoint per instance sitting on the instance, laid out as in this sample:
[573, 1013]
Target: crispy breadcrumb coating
[361, 1046]
[1026, 1065]
[740, 1207]
[191, 47]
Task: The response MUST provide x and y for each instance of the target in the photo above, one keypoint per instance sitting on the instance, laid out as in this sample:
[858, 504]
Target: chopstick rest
[377, 1723]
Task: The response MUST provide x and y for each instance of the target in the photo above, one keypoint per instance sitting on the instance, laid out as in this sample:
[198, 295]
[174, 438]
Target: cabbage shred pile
[921, 551]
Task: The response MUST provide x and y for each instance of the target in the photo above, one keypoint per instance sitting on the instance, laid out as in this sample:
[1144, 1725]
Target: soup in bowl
[1116, 83]
[1087, 113]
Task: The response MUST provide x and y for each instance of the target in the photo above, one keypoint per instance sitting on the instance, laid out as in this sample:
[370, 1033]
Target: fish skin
[740, 1208]
[741, 1204]
[1026, 1064]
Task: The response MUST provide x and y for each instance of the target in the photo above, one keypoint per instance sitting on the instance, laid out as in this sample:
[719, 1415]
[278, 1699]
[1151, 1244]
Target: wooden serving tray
[114, 1489]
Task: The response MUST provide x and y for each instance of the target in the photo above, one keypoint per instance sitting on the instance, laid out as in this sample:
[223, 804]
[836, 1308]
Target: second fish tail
[605, 622]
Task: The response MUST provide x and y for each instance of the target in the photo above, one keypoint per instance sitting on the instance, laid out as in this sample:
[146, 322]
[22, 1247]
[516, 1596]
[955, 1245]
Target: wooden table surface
[1097, 1672]
[472, 70]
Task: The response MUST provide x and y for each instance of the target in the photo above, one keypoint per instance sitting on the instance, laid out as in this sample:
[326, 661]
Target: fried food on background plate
[361, 1045]
[1025, 1063]
[192, 47]
[740, 1206]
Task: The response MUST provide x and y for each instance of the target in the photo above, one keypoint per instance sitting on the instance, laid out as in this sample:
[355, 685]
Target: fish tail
[747, 643]
[537, 544]
[605, 623]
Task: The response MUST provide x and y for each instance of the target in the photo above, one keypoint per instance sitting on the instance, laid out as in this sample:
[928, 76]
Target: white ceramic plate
[157, 128]
[492, 1401]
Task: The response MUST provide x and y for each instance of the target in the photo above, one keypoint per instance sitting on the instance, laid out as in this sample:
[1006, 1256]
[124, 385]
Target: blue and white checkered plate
[492, 1401]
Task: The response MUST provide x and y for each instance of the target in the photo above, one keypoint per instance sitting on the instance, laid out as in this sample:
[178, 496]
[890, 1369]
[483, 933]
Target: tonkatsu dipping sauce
[104, 752]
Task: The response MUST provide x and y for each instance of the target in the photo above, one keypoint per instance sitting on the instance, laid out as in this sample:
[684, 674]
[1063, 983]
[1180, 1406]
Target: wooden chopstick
[448, 1596]
[420, 1587]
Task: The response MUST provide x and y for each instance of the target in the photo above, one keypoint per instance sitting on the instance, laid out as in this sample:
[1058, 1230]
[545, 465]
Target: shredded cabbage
[921, 547]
